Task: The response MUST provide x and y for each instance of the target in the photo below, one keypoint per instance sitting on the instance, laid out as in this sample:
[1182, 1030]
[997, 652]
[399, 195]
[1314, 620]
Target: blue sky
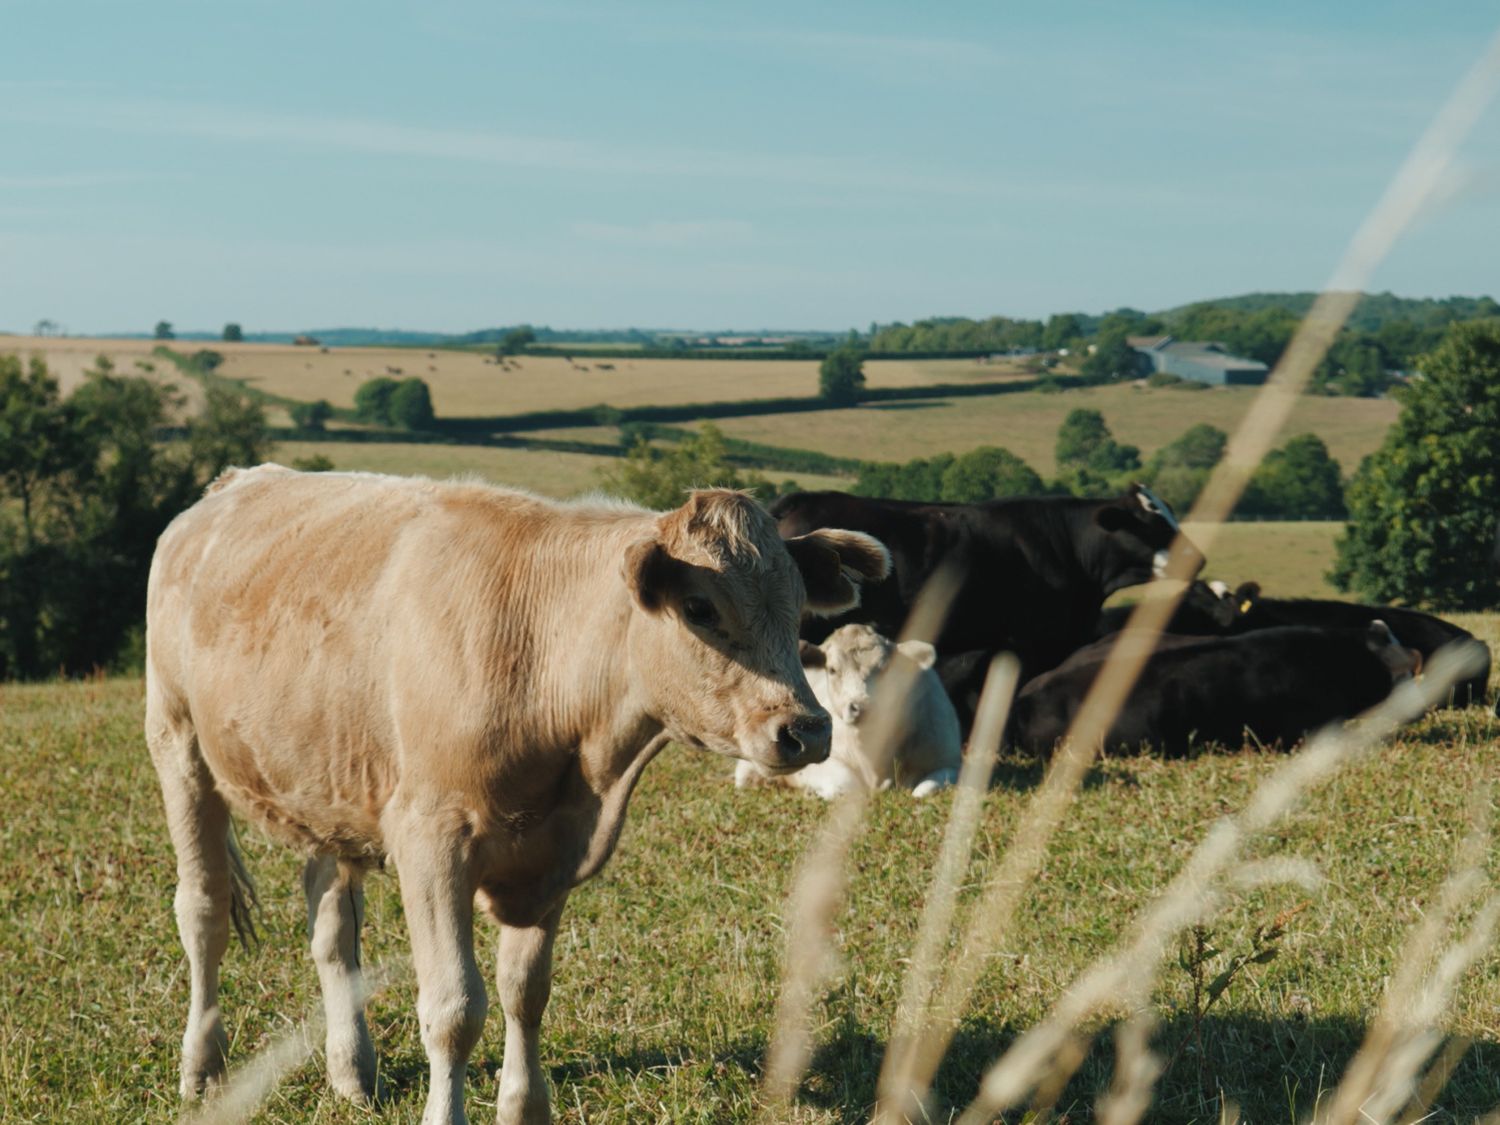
[459, 165]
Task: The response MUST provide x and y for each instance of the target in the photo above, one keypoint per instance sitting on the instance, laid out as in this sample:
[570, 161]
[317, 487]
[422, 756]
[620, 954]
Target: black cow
[1275, 685]
[1207, 609]
[1034, 571]
[1421, 632]
[1246, 611]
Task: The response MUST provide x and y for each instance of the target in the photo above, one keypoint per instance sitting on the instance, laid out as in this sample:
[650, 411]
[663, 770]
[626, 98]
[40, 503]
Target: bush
[317, 463]
[1163, 379]
[311, 415]
[410, 405]
[660, 478]
[988, 473]
[1422, 507]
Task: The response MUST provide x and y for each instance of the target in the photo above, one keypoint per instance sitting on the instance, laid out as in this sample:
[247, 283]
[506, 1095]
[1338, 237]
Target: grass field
[1026, 424]
[543, 471]
[667, 964]
[465, 384]
[68, 358]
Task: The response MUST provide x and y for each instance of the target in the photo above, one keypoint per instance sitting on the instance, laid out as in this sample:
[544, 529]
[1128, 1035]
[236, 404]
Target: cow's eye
[700, 612]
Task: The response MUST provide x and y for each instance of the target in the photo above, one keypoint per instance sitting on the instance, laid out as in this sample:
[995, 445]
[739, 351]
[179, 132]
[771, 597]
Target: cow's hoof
[203, 1056]
[518, 1107]
[351, 1072]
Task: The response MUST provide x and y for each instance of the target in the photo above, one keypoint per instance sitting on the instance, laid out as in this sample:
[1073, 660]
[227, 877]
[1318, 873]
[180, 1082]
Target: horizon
[463, 167]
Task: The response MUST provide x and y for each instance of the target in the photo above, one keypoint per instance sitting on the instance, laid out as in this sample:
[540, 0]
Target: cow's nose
[804, 740]
[854, 710]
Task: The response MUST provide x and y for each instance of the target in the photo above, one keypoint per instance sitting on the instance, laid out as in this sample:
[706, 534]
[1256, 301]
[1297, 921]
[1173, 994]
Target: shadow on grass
[1270, 1069]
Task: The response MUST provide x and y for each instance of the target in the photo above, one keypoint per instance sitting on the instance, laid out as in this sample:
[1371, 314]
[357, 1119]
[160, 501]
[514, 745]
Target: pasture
[538, 470]
[69, 357]
[1027, 423]
[468, 383]
[668, 963]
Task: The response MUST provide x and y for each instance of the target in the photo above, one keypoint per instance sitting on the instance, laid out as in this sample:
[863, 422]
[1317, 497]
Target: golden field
[469, 384]
[1027, 423]
[68, 358]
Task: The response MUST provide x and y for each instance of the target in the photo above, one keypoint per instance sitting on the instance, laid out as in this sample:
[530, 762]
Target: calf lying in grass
[844, 672]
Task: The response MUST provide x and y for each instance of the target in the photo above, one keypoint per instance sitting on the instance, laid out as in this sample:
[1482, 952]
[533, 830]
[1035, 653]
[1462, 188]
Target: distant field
[69, 358]
[1289, 560]
[1026, 423]
[465, 384]
[551, 474]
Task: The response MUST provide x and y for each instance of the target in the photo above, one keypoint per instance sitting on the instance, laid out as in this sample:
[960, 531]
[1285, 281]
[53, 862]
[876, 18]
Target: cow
[469, 681]
[1274, 686]
[1034, 571]
[1211, 610]
[845, 671]
[1206, 609]
[1421, 632]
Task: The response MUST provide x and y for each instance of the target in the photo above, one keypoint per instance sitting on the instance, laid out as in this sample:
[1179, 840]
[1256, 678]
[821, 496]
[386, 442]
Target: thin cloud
[662, 233]
[384, 138]
[67, 180]
[846, 45]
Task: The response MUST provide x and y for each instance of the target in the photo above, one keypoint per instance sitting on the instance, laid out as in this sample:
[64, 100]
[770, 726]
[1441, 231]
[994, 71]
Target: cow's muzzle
[803, 741]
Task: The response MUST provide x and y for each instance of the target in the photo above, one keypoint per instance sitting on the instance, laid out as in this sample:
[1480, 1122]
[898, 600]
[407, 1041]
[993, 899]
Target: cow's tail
[243, 899]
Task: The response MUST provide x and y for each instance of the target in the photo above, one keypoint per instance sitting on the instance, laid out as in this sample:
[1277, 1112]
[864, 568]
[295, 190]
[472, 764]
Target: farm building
[1203, 361]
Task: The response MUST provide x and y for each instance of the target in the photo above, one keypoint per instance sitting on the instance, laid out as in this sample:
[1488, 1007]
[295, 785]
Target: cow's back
[302, 622]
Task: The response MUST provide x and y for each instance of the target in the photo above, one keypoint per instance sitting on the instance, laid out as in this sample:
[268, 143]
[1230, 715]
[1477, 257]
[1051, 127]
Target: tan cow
[468, 680]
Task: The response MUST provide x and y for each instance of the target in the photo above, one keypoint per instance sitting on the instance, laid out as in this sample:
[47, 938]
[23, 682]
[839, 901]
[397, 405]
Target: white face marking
[1159, 564]
[1220, 589]
[1157, 506]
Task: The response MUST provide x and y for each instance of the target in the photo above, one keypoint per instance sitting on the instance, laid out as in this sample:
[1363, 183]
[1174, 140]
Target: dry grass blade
[900, 1097]
[1382, 1078]
[1416, 184]
[1136, 1070]
[250, 1085]
[1126, 976]
[818, 890]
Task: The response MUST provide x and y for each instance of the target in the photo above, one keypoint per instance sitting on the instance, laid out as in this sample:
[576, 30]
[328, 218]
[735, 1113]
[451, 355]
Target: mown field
[1027, 423]
[668, 963]
[466, 383]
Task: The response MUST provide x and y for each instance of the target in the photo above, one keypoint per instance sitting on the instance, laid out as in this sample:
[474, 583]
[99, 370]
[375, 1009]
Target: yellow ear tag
[1245, 606]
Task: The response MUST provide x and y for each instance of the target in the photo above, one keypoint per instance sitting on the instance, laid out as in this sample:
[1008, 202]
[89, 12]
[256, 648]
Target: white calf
[843, 672]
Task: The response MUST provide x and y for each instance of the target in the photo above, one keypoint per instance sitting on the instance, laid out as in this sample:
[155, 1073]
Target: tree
[372, 401]
[1112, 358]
[410, 405]
[1061, 330]
[988, 473]
[164, 330]
[841, 376]
[1089, 460]
[312, 415]
[233, 334]
[517, 340]
[1178, 470]
[660, 478]
[1298, 481]
[1422, 510]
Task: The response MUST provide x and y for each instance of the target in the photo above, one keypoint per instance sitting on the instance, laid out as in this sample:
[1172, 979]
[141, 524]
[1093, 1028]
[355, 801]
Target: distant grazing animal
[468, 680]
[926, 750]
[1275, 686]
[1034, 571]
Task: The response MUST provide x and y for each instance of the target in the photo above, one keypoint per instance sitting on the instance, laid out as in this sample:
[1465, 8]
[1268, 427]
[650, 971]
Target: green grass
[1026, 423]
[542, 471]
[667, 964]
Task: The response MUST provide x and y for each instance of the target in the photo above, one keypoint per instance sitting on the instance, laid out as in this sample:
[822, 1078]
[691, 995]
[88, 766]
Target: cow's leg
[524, 972]
[438, 898]
[335, 912]
[198, 821]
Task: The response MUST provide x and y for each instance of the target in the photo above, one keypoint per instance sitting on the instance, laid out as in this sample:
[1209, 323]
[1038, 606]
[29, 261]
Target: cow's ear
[833, 563]
[650, 573]
[812, 655]
[1246, 596]
[920, 653]
[1112, 518]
